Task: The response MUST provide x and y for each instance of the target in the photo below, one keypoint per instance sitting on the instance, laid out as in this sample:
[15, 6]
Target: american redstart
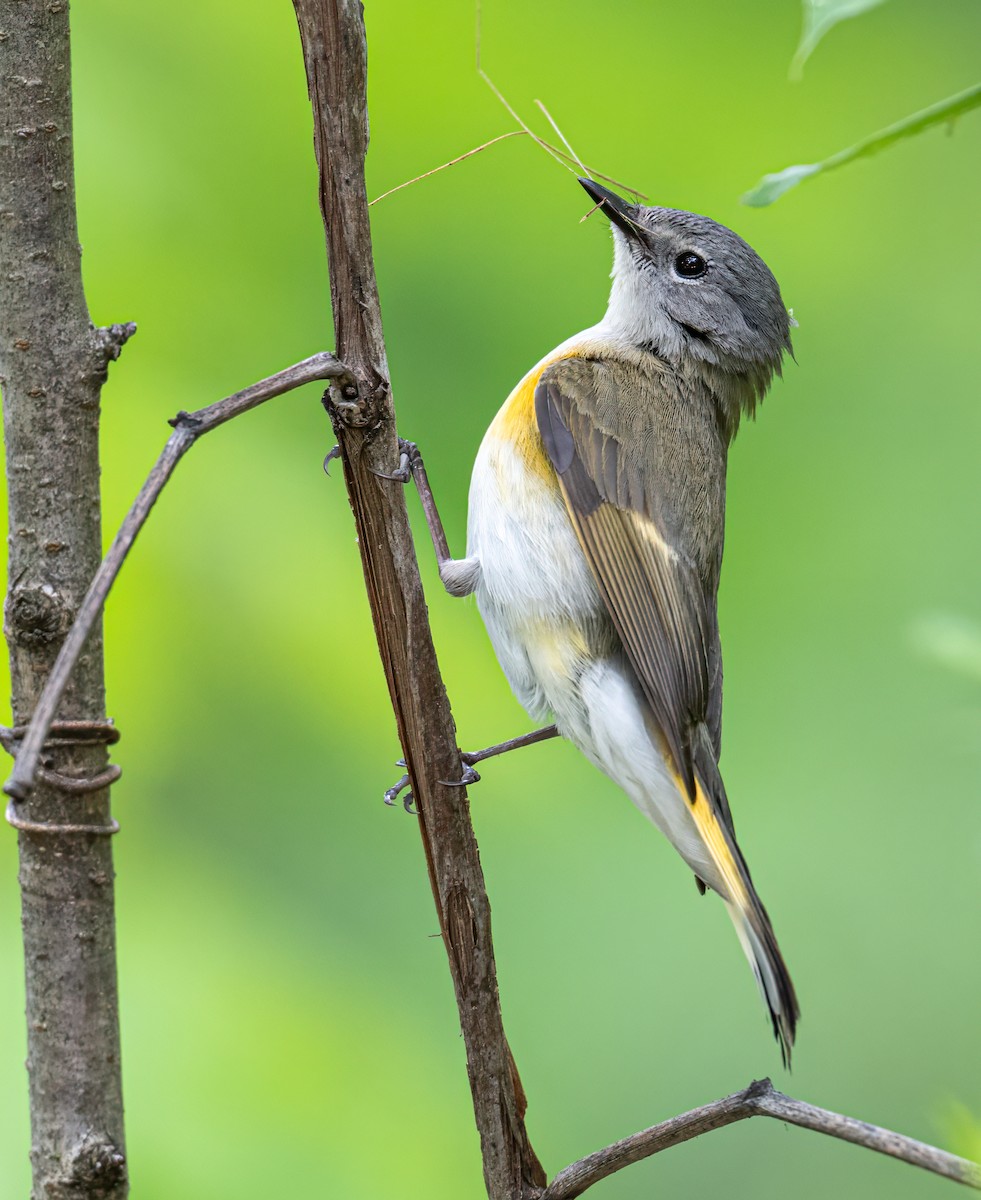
[595, 532]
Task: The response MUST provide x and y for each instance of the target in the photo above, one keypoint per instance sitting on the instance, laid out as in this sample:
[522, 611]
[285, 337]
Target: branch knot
[112, 338]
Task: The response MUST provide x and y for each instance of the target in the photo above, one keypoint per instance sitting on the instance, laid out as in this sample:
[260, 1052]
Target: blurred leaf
[819, 17]
[772, 187]
[950, 639]
[963, 1131]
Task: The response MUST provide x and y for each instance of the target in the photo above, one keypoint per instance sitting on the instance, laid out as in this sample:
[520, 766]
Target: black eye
[690, 265]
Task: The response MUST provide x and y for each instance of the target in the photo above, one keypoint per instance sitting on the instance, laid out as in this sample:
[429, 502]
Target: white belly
[555, 642]
[535, 591]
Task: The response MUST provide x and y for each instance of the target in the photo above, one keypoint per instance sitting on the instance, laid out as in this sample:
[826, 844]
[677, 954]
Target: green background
[288, 1021]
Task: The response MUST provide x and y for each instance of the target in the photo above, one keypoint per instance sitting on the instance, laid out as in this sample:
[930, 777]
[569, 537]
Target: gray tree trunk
[52, 366]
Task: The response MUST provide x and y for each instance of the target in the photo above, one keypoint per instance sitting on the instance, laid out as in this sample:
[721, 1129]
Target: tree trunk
[52, 366]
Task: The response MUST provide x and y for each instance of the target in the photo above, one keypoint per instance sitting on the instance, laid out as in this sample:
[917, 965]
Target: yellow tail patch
[716, 842]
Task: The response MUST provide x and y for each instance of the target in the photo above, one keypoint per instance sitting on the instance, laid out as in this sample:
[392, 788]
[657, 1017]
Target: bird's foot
[467, 760]
[408, 457]
[468, 776]
[392, 793]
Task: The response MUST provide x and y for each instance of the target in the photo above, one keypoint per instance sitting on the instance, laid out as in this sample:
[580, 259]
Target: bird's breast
[518, 526]
[514, 431]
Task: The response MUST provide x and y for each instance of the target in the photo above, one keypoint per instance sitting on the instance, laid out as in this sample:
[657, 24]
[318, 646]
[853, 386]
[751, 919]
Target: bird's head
[692, 291]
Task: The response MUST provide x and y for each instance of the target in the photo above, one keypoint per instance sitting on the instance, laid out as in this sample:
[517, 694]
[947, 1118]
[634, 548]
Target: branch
[760, 1099]
[334, 52]
[188, 427]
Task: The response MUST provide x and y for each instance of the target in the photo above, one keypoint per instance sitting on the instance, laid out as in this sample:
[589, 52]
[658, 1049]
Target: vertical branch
[52, 366]
[334, 50]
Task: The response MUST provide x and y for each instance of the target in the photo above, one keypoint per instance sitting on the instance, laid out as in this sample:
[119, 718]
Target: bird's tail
[776, 987]
[710, 811]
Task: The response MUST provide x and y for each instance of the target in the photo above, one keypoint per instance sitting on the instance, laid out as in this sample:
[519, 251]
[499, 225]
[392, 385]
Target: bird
[595, 535]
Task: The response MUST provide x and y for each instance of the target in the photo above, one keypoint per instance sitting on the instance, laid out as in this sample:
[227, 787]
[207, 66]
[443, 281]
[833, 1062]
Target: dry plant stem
[760, 1099]
[53, 363]
[188, 427]
[334, 52]
[554, 150]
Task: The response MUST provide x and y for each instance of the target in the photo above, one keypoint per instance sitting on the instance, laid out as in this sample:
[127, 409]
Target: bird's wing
[627, 496]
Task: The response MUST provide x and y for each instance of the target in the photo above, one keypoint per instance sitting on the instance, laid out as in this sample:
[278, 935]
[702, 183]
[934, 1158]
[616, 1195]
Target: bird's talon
[469, 776]
[392, 794]
[403, 472]
[331, 455]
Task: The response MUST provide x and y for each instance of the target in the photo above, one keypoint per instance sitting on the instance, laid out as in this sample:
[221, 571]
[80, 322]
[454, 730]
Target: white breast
[535, 591]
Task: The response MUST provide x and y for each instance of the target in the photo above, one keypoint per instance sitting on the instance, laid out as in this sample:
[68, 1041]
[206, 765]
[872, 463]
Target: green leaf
[819, 17]
[771, 187]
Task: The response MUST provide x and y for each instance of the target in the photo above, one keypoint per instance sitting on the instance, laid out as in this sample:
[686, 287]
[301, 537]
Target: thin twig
[188, 427]
[503, 137]
[760, 1099]
[534, 136]
[452, 163]
[562, 138]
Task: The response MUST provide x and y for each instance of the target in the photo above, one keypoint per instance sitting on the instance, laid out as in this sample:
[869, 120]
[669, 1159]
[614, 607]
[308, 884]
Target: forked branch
[760, 1099]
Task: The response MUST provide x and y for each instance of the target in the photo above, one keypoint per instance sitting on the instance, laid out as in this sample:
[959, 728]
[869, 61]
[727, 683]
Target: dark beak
[618, 210]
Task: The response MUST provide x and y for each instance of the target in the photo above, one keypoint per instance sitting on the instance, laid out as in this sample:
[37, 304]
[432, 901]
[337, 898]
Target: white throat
[632, 315]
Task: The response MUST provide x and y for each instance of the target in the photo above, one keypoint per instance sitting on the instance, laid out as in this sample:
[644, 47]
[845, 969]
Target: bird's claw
[469, 776]
[392, 794]
[331, 455]
[408, 453]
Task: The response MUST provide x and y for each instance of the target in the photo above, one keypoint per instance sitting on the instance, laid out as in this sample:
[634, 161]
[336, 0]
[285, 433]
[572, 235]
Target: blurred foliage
[288, 1021]
[945, 112]
[965, 1132]
[821, 16]
[950, 639]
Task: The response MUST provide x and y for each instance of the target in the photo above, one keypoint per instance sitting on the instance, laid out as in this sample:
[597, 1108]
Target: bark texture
[332, 32]
[52, 366]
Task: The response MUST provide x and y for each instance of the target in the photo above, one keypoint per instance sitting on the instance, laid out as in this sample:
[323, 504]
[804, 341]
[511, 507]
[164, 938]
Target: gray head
[695, 293]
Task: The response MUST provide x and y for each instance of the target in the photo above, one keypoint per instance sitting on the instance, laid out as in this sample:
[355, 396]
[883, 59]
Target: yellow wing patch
[515, 423]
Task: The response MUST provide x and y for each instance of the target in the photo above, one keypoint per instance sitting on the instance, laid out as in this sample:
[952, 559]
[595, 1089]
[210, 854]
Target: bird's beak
[618, 210]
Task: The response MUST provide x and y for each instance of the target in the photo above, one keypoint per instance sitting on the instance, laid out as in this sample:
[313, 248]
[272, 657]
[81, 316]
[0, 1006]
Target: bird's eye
[690, 265]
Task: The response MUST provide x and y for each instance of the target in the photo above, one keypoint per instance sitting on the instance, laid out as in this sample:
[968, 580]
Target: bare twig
[188, 427]
[760, 1099]
[562, 138]
[334, 52]
[503, 137]
[534, 136]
